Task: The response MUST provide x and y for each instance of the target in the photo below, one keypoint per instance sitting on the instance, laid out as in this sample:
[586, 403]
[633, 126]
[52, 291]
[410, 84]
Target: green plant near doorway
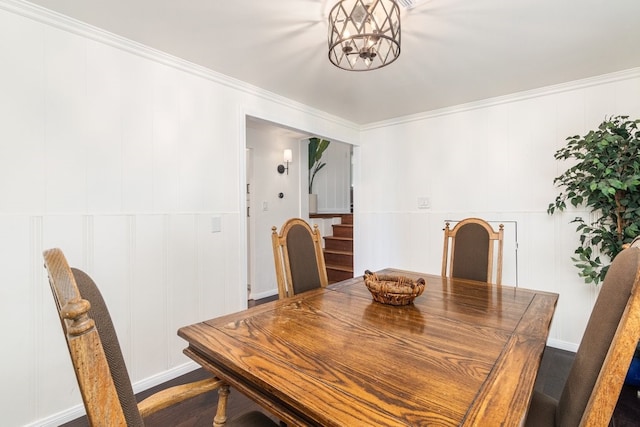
[604, 178]
[317, 147]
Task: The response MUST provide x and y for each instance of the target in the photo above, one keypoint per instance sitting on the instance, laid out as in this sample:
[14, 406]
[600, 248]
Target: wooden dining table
[464, 353]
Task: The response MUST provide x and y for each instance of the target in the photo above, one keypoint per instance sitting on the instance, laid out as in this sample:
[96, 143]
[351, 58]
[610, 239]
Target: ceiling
[453, 51]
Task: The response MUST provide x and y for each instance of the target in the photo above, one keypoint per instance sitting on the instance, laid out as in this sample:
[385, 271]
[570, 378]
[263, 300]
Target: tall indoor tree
[317, 147]
[605, 178]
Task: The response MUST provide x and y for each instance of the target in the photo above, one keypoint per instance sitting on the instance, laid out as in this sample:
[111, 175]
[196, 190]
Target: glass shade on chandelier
[364, 34]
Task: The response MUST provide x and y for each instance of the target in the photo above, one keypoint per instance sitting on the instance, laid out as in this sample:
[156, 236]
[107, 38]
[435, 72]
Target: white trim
[510, 98]
[165, 376]
[563, 345]
[57, 20]
[59, 418]
[243, 247]
[78, 411]
[265, 294]
[66, 23]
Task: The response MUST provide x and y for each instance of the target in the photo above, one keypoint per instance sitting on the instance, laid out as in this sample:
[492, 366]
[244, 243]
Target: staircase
[338, 250]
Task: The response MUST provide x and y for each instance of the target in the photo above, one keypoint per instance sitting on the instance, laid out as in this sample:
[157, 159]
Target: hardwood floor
[200, 411]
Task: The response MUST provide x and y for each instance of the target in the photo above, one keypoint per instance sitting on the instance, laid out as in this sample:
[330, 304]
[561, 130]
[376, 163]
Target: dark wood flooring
[201, 410]
[553, 373]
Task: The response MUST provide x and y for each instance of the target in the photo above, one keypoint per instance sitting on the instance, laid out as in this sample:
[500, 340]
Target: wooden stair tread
[339, 268]
[337, 252]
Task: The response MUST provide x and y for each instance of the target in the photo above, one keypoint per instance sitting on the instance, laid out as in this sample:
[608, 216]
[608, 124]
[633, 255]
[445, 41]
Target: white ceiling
[453, 51]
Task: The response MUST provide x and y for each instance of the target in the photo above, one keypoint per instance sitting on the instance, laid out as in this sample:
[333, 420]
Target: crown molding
[514, 97]
[74, 26]
[71, 25]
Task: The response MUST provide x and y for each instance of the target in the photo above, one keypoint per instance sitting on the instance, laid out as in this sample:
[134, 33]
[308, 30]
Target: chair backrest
[596, 377]
[469, 250]
[298, 256]
[634, 243]
[93, 345]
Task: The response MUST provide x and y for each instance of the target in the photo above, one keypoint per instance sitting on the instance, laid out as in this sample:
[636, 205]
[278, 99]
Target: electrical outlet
[424, 203]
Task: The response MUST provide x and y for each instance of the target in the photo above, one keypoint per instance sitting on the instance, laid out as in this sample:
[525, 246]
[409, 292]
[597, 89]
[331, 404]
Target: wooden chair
[635, 243]
[98, 363]
[596, 377]
[298, 256]
[470, 255]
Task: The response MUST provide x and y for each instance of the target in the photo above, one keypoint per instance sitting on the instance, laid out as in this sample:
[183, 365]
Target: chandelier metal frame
[364, 34]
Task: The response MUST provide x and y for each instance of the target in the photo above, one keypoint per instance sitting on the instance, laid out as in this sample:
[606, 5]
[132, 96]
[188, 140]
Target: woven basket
[393, 290]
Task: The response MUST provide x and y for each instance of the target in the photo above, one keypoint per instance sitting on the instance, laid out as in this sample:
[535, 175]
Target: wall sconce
[288, 158]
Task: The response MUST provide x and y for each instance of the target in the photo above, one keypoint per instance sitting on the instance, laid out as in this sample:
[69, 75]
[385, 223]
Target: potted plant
[605, 177]
[317, 147]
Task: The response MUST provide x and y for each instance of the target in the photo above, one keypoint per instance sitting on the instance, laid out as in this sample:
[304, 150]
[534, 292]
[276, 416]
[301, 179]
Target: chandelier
[364, 34]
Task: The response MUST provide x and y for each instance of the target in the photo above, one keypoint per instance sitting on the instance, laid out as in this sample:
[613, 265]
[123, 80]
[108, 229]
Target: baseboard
[165, 376]
[266, 294]
[78, 411]
[563, 345]
[59, 418]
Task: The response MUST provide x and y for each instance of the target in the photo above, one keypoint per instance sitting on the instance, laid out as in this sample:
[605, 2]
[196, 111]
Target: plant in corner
[605, 178]
[317, 147]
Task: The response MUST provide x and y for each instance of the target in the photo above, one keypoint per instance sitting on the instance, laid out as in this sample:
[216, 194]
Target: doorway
[272, 197]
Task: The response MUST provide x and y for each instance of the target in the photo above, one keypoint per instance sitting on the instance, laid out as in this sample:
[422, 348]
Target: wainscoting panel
[110, 248]
[182, 294]
[20, 322]
[149, 292]
[157, 272]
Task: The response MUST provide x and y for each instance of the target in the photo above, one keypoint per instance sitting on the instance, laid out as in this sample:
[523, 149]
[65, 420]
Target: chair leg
[221, 414]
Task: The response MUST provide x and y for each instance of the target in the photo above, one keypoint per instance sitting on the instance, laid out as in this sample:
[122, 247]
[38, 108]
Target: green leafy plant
[317, 147]
[604, 178]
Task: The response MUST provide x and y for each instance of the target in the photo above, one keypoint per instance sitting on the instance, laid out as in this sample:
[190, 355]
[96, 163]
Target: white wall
[332, 183]
[268, 210]
[267, 144]
[492, 159]
[123, 157]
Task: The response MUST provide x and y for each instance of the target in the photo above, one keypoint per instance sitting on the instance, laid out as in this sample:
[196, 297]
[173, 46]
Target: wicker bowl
[393, 290]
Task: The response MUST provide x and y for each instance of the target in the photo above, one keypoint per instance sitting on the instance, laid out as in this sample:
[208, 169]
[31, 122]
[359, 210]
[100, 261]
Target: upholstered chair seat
[596, 377]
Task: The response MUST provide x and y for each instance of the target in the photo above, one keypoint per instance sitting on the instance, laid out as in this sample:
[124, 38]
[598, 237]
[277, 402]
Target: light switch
[216, 224]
